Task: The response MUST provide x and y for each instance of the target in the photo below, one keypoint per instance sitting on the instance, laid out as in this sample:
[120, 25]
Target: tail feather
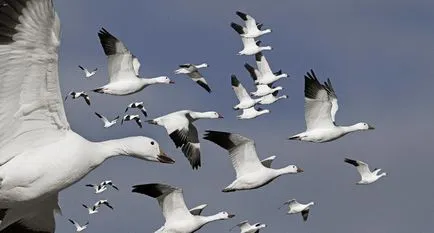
[99, 90]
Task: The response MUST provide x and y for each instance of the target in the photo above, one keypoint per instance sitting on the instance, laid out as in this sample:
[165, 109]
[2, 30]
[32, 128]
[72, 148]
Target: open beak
[231, 215]
[371, 127]
[172, 82]
[300, 170]
[163, 158]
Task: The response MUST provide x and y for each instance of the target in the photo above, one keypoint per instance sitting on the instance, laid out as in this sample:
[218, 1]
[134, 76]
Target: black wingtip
[238, 28]
[258, 43]
[98, 90]
[241, 15]
[234, 81]
[251, 71]
[153, 190]
[220, 138]
[351, 161]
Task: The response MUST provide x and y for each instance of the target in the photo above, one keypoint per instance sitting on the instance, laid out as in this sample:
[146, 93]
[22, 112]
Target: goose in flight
[94, 209]
[193, 72]
[107, 123]
[243, 97]
[252, 47]
[252, 112]
[320, 107]
[99, 188]
[138, 105]
[294, 208]
[252, 28]
[76, 95]
[251, 173]
[367, 177]
[178, 218]
[78, 227]
[88, 74]
[261, 89]
[39, 153]
[179, 126]
[245, 227]
[267, 76]
[272, 98]
[135, 118]
[123, 68]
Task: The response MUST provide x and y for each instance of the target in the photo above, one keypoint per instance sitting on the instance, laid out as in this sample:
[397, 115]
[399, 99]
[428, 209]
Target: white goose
[294, 208]
[267, 75]
[39, 154]
[88, 74]
[99, 188]
[138, 105]
[261, 89]
[135, 118]
[193, 72]
[321, 105]
[272, 98]
[250, 172]
[78, 227]
[245, 100]
[107, 123]
[367, 177]
[252, 47]
[94, 209]
[252, 28]
[178, 217]
[123, 68]
[245, 227]
[252, 112]
[76, 95]
[179, 126]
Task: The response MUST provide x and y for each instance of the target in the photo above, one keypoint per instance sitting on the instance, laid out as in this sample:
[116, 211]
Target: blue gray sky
[378, 55]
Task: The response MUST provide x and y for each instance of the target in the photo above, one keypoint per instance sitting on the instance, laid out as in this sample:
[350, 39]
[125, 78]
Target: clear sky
[378, 54]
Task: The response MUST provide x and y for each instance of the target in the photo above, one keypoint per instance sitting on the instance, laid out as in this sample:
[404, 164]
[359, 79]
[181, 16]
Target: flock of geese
[34, 127]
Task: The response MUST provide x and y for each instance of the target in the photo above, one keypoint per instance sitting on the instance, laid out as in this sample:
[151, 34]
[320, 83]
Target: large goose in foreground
[39, 154]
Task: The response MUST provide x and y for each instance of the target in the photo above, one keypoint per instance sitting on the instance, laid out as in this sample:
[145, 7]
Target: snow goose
[178, 217]
[193, 72]
[267, 75]
[367, 177]
[252, 47]
[88, 74]
[123, 68]
[179, 126]
[250, 172]
[321, 105]
[252, 112]
[245, 100]
[135, 118]
[99, 188]
[261, 89]
[78, 227]
[294, 208]
[245, 227]
[97, 205]
[39, 154]
[138, 105]
[272, 98]
[76, 95]
[107, 123]
[252, 28]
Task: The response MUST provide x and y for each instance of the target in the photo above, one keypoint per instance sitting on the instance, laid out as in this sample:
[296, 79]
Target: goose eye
[152, 143]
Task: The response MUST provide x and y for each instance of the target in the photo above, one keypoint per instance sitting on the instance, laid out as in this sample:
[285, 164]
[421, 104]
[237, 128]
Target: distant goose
[87, 73]
[135, 118]
[267, 75]
[321, 105]
[138, 105]
[250, 172]
[123, 68]
[252, 28]
[179, 126]
[367, 177]
[107, 123]
[245, 227]
[272, 98]
[262, 89]
[252, 47]
[294, 208]
[76, 95]
[252, 112]
[99, 188]
[96, 206]
[193, 72]
[78, 227]
[178, 217]
[243, 97]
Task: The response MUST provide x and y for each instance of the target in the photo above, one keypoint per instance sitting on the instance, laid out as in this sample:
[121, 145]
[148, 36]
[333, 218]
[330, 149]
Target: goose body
[272, 98]
[252, 47]
[251, 173]
[245, 101]
[252, 112]
[138, 105]
[267, 75]
[107, 123]
[178, 217]
[252, 28]
[123, 68]
[367, 176]
[295, 207]
[87, 73]
[78, 227]
[261, 89]
[245, 227]
[193, 72]
[39, 154]
[321, 105]
[76, 95]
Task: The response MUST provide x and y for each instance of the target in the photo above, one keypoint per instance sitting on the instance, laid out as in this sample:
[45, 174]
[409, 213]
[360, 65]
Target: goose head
[266, 31]
[292, 169]
[259, 226]
[163, 80]
[212, 115]
[363, 126]
[203, 65]
[265, 48]
[147, 149]
[224, 215]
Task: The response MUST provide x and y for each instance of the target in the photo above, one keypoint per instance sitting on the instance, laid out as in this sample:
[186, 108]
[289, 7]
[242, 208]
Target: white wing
[120, 59]
[103, 118]
[318, 104]
[249, 111]
[362, 167]
[248, 42]
[136, 65]
[241, 150]
[267, 162]
[31, 107]
[249, 20]
[245, 225]
[262, 64]
[333, 98]
[239, 90]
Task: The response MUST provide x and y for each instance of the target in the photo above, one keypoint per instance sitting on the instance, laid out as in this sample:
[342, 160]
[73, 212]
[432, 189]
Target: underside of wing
[262, 64]
[31, 107]
[239, 89]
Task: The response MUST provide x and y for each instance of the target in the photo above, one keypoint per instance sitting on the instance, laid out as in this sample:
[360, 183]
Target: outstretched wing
[239, 89]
